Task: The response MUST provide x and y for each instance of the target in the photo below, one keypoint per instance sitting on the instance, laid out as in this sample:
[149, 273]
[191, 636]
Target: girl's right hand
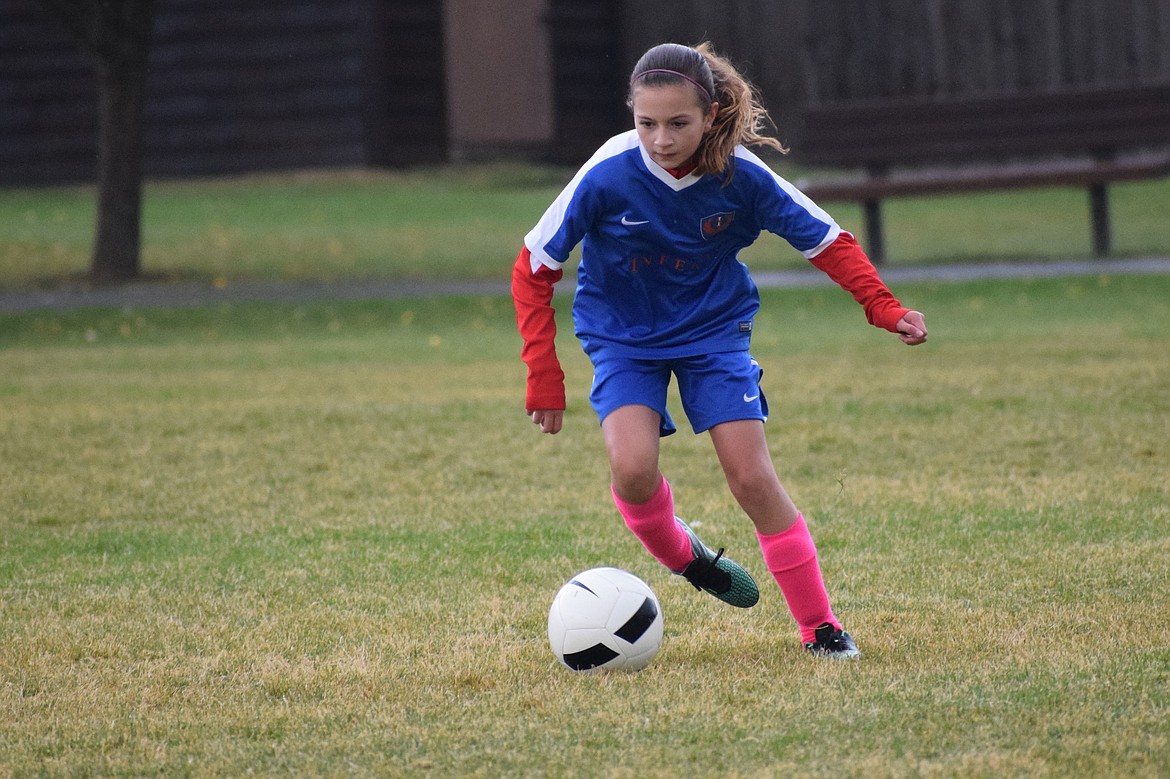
[550, 421]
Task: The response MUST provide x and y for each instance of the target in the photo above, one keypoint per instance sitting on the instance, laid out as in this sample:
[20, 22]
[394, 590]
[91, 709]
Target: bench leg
[1099, 210]
[875, 240]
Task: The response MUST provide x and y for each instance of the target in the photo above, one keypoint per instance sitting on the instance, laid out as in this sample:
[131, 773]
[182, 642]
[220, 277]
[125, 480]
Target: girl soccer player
[662, 211]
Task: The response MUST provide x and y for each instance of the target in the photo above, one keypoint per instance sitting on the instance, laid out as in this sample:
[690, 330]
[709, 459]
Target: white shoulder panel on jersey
[551, 221]
[800, 199]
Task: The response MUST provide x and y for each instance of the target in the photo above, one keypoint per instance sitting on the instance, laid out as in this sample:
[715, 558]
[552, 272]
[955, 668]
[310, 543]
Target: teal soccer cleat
[720, 576]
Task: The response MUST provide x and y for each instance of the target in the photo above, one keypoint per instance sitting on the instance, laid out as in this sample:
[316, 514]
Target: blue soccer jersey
[659, 275]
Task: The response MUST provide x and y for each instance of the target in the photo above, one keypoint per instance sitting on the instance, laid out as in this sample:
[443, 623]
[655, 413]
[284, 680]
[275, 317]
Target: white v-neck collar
[663, 175]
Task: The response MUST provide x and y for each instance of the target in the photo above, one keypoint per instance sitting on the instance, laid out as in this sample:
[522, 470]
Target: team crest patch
[717, 223]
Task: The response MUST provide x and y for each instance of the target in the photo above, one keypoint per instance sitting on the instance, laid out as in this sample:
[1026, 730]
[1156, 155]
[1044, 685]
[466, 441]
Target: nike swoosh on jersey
[747, 399]
[628, 222]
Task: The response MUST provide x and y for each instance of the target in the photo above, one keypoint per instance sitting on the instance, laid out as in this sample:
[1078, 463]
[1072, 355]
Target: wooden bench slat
[913, 131]
[941, 181]
[1071, 137]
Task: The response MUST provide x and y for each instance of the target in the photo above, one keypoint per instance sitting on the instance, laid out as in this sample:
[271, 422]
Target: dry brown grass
[322, 540]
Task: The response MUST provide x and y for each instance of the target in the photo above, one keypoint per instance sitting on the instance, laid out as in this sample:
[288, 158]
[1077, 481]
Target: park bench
[1085, 137]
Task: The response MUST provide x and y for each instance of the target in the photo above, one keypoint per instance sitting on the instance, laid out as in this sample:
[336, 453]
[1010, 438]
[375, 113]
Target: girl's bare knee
[636, 485]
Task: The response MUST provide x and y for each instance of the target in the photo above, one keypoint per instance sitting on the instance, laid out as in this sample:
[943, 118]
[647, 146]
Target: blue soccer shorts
[714, 388]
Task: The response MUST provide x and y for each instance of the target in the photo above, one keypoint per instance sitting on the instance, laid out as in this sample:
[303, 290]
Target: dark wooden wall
[800, 52]
[405, 83]
[262, 85]
[885, 48]
[272, 84]
[589, 76]
[254, 85]
[47, 100]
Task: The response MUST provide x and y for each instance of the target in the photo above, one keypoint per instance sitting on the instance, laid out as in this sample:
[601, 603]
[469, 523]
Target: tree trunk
[117, 33]
[121, 99]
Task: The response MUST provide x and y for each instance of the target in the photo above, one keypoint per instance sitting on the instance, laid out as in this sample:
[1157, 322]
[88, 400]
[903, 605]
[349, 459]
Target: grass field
[465, 223]
[321, 539]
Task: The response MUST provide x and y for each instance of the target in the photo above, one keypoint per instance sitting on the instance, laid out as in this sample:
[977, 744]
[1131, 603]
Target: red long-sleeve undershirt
[532, 294]
[843, 261]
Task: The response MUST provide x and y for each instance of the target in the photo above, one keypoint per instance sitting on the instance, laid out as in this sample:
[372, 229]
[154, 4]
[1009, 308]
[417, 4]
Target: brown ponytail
[740, 119]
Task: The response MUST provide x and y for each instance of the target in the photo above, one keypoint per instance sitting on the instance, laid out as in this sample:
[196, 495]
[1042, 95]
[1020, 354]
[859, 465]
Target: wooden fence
[884, 48]
[47, 100]
[267, 84]
[308, 83]
[802, 52]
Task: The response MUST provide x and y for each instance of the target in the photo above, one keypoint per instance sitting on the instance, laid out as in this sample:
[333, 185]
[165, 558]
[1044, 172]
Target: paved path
[168, 295]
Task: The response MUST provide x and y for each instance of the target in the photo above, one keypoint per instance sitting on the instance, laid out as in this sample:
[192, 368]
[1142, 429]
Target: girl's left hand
[912, 328]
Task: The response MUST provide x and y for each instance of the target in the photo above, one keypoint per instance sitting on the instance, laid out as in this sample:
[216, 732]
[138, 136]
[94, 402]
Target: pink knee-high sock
[654, 525]
[791, 556]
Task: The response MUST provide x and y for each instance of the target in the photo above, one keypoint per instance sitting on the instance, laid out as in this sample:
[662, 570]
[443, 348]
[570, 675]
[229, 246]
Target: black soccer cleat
[718, 575]
[832, 642]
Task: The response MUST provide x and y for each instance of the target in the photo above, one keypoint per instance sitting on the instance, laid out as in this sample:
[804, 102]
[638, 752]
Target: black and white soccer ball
[605, 619]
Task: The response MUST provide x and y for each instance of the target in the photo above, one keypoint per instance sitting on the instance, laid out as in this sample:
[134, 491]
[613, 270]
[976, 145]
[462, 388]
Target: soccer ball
[605, 619]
